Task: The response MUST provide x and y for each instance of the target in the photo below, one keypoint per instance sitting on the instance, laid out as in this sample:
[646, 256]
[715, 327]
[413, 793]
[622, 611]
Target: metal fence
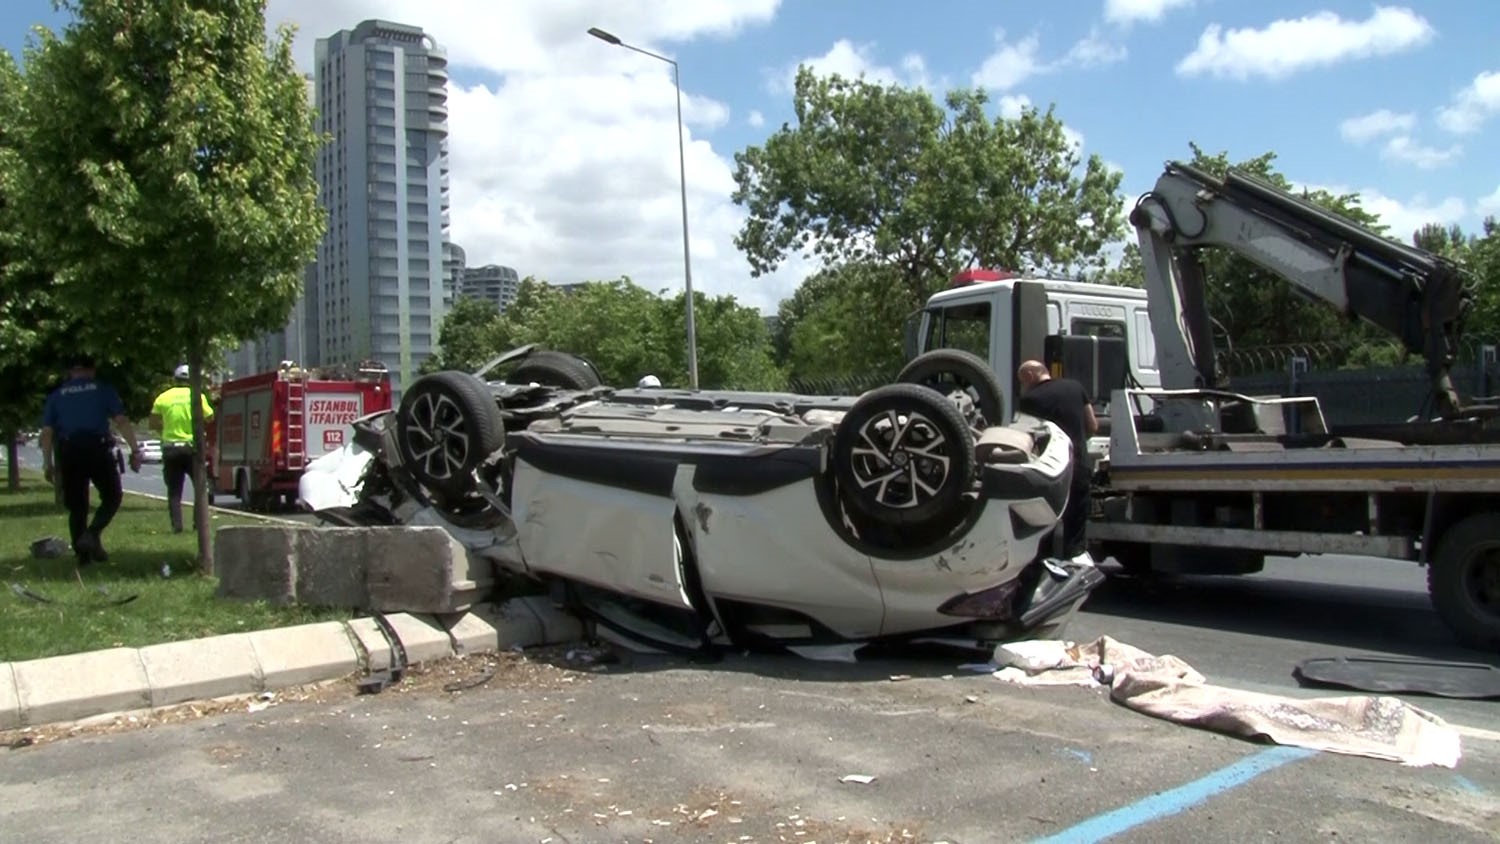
[844, 385]
[1351, 394]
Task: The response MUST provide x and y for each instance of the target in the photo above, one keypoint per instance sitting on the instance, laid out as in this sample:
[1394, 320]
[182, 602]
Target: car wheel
[904, 455]
[950, 370]
[555, 369]
[448, 424]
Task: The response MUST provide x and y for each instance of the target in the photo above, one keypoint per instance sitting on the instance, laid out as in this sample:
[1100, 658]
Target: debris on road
[1166, 687]
[862, 779]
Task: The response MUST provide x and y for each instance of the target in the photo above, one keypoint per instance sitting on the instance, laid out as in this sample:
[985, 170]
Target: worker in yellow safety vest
[172, 416]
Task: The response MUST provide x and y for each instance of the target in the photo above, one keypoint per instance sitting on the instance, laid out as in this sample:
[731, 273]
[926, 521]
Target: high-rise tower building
[382, 96]
[491, 282]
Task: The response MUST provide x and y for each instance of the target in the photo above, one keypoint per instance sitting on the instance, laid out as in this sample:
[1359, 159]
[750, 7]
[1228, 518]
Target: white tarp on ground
[1379, 727]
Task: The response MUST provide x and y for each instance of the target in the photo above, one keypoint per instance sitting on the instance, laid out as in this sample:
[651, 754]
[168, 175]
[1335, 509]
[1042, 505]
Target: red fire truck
[267, 427]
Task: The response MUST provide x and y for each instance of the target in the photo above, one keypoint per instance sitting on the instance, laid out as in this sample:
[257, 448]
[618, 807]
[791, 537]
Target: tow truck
[1191, 477]
[1205, 480]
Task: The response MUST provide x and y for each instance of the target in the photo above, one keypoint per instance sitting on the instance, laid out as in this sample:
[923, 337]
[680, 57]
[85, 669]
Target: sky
[564, 157]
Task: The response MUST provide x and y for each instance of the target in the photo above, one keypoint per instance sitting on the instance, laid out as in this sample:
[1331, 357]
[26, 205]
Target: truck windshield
[963, 326]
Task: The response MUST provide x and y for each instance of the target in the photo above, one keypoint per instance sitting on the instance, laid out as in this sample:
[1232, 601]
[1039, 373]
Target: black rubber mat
[1474, 680]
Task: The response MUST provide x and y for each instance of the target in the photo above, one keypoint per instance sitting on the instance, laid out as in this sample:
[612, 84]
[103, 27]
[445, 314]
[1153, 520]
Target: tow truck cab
[1097, 334]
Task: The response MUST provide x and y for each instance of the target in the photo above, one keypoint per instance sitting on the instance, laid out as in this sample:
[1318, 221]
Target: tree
[169, 185]
[629, 332]
[465, 336]
[1129, 272]
[1481, 257]
[884, 174]
[847, 321]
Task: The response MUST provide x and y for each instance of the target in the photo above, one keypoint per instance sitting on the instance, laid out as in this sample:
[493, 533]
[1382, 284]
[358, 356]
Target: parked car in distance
[150, 451]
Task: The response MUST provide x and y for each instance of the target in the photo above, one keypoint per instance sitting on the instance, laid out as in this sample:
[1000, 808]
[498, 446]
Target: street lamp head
[604, 36]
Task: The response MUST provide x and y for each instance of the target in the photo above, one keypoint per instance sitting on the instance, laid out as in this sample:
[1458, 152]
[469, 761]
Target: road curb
[81, 686]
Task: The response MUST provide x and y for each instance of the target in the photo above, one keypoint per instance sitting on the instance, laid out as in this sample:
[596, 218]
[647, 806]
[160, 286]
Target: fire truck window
[1098, 328]
[965, 327]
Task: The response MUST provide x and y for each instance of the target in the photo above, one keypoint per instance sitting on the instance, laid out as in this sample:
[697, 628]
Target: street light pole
[687, 263]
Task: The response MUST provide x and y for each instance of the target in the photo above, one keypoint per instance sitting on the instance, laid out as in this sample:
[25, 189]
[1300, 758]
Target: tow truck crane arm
[1415, 296]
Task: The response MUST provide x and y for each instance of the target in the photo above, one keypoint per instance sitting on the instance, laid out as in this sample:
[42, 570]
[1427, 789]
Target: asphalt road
[647, 749]
[751, 749]
[149, 481]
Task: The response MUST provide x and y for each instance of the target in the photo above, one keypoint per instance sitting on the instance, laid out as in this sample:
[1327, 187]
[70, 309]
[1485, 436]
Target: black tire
[555, 369]
[447, 426]
[947, 370]
[1463, 580]
[867, 460]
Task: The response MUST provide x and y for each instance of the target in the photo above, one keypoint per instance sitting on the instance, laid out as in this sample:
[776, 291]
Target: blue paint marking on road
[1083, 756]
[1467, 784]
[1169, 803]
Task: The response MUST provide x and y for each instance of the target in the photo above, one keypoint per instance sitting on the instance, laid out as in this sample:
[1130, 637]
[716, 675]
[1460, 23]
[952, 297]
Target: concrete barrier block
[66, 688]
[422, 637]
[10, 703]
[257, 562]
[371, 640]
[307, 653]
[198, 669]
[557, 626]
[331, 566]
[424, 570]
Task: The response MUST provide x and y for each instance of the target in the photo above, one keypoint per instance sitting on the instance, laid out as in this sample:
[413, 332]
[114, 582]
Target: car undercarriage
[692, 520]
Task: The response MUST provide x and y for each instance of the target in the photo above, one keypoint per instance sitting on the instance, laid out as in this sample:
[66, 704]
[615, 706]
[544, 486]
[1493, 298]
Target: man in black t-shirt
[1065, 403]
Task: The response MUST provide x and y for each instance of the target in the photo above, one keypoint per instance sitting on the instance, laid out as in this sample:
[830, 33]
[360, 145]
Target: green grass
[140, 543]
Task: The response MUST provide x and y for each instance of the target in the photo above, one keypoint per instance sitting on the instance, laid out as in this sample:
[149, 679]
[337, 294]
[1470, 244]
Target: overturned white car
[697, 519]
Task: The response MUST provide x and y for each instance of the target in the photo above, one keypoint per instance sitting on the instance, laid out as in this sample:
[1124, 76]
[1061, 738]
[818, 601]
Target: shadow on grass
[124, 564]
[17, 508]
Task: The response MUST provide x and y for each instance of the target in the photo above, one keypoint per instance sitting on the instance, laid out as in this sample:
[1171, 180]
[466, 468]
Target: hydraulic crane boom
[1413, 295]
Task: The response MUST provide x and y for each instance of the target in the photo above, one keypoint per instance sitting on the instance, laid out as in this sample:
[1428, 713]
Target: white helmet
[648, 381]
[181, 372]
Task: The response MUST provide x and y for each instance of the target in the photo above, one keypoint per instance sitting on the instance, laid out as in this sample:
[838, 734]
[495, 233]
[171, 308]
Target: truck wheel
[1463, 580]
[947, 370]
[448, 424]
[555, 369]
[904, 455]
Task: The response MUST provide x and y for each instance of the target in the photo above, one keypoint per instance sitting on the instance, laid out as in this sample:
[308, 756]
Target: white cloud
[1011, 105]
[1093, 50]
[1471, 106]
[1287, 46]
[1074, 138]
[1489, 204]
[1407, 151]
[1130, 11]
[755, 118]
[1360, 129]
[1010, 64]
[854, 61]
[1401, 218]
[565, 167]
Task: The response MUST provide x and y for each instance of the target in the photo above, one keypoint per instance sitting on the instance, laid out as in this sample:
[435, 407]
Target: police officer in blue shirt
[75, 420]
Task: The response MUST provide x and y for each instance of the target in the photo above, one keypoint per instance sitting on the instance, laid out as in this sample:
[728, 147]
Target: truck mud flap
[1391, 675]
